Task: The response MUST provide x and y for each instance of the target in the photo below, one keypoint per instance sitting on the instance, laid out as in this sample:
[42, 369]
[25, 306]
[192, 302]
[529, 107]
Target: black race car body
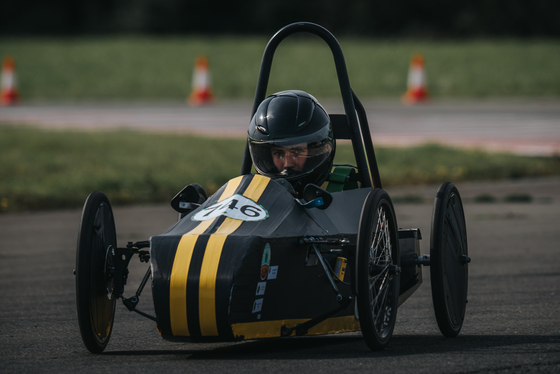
[243, 264]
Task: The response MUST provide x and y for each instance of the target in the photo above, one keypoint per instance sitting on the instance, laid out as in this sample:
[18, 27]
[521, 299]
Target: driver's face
[293, 157]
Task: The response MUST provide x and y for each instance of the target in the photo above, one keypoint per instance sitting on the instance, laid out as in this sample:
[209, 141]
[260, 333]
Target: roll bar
[356, 120]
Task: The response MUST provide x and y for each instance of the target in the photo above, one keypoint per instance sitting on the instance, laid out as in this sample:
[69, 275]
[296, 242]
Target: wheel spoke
[380, 255]
[377, 284]
[376, 239]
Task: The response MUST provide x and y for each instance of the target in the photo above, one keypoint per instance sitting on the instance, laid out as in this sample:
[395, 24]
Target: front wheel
[94, 278]
[377, 269]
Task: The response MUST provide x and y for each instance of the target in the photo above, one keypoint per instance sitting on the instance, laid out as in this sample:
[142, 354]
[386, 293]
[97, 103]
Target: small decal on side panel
[257, 305]
[265, 263]
[272, 272]
[261, 287]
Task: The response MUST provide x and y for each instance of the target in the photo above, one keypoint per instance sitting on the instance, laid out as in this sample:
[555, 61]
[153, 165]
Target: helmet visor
[290, 158]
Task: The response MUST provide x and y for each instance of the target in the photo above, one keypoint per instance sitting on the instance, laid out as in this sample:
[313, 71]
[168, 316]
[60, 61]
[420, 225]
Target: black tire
[96, 309]
[377, 269]
[449, 260]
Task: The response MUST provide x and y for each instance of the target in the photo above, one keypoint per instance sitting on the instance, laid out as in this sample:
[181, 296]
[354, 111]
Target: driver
[291, 137]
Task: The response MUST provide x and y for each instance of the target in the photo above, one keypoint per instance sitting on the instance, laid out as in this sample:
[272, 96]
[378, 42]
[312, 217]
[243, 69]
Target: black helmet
[291, 137]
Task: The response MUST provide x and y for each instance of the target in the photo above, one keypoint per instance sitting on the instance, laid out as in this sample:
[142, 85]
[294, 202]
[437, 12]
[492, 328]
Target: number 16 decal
[236, 207]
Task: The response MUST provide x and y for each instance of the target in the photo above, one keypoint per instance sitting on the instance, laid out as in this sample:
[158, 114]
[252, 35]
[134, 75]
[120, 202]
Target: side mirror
[189, 198]
[316, 197]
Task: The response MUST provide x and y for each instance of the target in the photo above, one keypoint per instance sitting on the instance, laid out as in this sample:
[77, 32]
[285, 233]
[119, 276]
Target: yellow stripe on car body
[181, 265]
[209, 270]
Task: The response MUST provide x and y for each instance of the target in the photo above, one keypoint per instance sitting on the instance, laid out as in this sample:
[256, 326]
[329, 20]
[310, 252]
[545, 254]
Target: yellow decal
[257, 187]
[270, 329]
[178, 285]
[208, 273]
[209, 269]
[180, 269]
[230, 188]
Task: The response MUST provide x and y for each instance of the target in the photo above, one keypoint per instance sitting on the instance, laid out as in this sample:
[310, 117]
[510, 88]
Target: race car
[258, 259]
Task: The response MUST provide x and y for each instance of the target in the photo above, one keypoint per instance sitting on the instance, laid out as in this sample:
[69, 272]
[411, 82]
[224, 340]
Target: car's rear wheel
[94, 278]
[377, 269]
[449, 260]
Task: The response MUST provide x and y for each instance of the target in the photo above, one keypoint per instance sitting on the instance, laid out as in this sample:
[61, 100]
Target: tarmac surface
[512, 323]
[524, 126]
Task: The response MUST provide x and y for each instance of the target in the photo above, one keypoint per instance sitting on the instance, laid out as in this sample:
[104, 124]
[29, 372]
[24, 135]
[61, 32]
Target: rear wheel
[449, 260]
[377, 269]
[94, 278]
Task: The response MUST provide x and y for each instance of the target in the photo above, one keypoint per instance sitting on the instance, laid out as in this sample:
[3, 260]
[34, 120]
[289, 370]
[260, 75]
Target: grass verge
[161, 67]
[46, 169]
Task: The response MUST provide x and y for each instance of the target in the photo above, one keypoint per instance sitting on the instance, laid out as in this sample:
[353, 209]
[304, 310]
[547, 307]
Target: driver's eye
[296, 152]
[278, 154]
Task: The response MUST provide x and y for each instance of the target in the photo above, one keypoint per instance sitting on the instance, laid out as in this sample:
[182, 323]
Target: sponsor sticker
[265, 263]
[261, 287]
[272, 272]
[257, 305]
[236, 207]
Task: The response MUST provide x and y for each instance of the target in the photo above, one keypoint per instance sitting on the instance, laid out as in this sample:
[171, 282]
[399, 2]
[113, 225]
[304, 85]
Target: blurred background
[490, 78]
[146, 49]
[423, 19]
[491, 125]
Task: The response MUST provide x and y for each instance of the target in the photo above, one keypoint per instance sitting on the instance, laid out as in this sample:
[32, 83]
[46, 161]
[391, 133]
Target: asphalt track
[512, 322]
[524, 126]
[513, 315]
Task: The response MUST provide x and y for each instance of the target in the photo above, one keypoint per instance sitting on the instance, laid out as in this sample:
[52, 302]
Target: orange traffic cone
[417, 91]
[8, 91]
[202, 92]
